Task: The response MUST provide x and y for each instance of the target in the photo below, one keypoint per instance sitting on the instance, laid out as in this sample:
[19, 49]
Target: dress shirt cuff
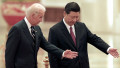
[108, 49]
[62, 55]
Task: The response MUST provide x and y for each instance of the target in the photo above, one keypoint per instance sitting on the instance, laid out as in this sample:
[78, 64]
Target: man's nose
[75, 19]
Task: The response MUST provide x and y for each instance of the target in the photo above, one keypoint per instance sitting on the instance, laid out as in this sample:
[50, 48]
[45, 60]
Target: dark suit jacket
[21, 51]
[60, 37]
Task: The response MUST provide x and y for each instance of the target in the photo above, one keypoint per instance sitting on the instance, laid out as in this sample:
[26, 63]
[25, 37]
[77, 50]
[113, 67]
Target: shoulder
[80, 24]
[58, 25]
[20, 24]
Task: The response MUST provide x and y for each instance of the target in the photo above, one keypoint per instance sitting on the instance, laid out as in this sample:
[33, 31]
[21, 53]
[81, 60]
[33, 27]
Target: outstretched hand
[113, 52]
[70, 54]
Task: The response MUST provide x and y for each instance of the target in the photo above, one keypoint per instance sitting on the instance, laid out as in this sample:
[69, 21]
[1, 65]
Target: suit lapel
[36, 35]
[77, 32]
[26, 31]
[67, 34]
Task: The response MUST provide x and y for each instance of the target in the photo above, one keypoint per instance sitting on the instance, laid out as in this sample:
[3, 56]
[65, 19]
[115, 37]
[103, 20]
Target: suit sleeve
[11, 47]
[97, 41]
[52, 58]
[50, 48]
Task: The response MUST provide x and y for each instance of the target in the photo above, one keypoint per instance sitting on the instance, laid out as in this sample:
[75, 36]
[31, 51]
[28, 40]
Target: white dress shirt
[28, 24]
[68, 27]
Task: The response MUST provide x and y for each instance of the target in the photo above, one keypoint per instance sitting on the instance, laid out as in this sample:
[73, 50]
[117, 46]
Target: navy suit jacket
[59, 36]
[21, 51]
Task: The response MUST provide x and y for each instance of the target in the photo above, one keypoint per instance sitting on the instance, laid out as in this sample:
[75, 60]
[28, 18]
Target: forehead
[74, 13]
[41, 13]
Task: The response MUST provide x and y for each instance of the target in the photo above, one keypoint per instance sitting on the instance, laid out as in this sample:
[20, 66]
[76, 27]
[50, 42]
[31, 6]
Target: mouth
[72, 22]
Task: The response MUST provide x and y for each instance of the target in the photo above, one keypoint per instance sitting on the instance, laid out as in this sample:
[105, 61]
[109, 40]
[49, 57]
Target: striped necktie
[33, 33]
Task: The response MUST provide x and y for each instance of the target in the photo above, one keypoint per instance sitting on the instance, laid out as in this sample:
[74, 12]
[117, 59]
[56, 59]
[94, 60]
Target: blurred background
[101, 16]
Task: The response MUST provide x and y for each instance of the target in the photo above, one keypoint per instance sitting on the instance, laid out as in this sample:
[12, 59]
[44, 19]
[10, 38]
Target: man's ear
[33, 16]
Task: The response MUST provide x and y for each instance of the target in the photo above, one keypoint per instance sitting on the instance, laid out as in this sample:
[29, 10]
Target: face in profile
[72, 17]
[37, 17]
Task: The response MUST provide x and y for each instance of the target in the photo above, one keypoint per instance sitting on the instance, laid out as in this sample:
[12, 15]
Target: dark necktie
[33, 33]
[72, 35]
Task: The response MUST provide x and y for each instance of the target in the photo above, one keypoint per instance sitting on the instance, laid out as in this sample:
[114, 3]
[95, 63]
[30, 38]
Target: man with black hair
[74, 35]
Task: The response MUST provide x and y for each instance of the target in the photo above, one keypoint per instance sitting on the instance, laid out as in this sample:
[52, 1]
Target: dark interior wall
[53, 14]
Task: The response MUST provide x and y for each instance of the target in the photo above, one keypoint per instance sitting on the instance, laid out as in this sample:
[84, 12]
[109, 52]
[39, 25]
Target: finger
[73, 56]
[68, 50]
[115, 54]
[74, 52]
[112, 50]
[69, 54]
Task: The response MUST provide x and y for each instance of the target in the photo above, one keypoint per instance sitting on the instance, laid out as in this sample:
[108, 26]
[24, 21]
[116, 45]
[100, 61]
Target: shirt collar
[68, 27]
[27, 22]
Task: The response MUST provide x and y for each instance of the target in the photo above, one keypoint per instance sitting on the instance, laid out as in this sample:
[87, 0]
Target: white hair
[35, 8]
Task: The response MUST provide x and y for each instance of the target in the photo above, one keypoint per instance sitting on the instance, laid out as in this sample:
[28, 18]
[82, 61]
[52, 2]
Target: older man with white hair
[25, 38]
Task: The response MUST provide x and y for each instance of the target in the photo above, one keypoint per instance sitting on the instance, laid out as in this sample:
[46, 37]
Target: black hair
[72, 6]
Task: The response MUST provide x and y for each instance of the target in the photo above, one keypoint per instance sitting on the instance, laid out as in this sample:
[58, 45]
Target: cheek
[70, 20]
[40, 19]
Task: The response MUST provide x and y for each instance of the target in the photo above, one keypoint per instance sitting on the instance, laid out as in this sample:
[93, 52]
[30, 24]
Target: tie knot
[70, 28]
[32, 27]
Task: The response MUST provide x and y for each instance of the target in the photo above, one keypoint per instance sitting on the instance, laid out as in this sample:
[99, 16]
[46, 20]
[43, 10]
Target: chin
[72, 24]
